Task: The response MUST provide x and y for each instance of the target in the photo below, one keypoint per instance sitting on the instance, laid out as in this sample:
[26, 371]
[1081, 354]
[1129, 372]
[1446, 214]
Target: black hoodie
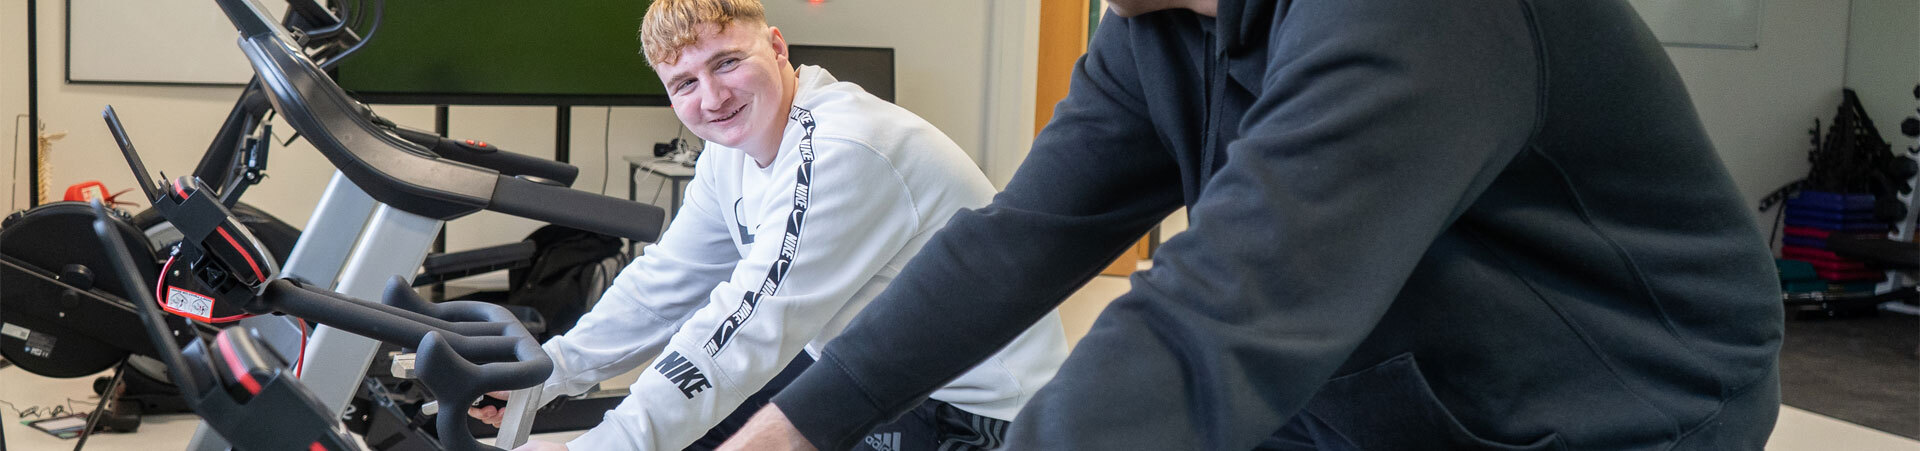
[1419, 224]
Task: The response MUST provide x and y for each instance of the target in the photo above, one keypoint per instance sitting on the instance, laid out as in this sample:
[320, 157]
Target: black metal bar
[632, 192]
[398, 98]
[376, 321]
[439, 291]
[188, 84]
[218, 163]
[440, 127]
[100, 410]
[33, 103]
[562, 133]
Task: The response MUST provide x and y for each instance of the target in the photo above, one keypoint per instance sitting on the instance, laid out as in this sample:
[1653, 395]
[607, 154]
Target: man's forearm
[768, 430]
[960, 296]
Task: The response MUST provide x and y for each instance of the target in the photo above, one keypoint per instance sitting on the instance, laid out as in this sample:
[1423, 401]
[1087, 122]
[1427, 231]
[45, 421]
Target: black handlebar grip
[483, 154]
[486, 155]
[453, 380]
[577, 209]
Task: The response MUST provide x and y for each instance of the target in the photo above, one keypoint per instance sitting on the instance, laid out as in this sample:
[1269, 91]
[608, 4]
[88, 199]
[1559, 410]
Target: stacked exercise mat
[1845, 229]
[1813, 216]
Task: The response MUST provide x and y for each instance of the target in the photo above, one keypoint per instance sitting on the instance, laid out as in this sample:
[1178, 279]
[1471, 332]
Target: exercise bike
[57, 290]
[390, 196]
[248, 394]
[58, 295]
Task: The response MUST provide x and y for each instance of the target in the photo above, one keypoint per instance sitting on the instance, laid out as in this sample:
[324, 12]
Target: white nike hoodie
[761, 263]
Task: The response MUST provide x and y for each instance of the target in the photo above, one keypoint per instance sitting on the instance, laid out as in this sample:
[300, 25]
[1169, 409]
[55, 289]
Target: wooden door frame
[1065, 27]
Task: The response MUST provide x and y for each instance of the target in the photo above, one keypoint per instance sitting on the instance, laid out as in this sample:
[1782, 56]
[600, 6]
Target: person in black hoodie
[1471, 224]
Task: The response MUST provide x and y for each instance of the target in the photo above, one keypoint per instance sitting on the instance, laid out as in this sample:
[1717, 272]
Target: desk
[675, 173]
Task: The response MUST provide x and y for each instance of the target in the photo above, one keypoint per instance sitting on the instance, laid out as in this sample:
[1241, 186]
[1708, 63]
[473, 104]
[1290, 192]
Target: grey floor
[1860, 370]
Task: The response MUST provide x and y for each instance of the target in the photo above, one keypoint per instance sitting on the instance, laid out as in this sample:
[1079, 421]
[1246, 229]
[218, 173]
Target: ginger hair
[672, 25]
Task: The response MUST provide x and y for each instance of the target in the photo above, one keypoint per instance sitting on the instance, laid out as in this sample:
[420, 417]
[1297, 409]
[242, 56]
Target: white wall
[1012, 63]
[964, 65]
[600, 135]
[13, 98]
[170, 125]
[1883, 62]
[1757, 105]
[944, 69]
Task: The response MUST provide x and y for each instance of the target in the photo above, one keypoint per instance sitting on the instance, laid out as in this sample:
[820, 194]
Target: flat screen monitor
[519, 52]
[869, 67]
[504, 52]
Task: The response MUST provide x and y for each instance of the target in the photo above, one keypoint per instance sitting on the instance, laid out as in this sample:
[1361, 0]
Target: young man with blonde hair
[810, 196]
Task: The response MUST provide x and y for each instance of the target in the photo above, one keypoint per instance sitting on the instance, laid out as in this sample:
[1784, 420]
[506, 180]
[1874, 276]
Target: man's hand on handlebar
[489, 414]
[537, 445]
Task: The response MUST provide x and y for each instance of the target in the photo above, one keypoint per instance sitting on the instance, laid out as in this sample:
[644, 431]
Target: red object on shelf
[1806, 232]
[93, 189]
[1808, 254]
[1823, 265]
[1860, 275]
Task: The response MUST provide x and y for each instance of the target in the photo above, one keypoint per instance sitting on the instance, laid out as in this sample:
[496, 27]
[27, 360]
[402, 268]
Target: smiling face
[733, 86]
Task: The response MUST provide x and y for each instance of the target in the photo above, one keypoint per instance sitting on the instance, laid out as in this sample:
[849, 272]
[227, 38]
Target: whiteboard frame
[1749, 38]
[239, 77]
